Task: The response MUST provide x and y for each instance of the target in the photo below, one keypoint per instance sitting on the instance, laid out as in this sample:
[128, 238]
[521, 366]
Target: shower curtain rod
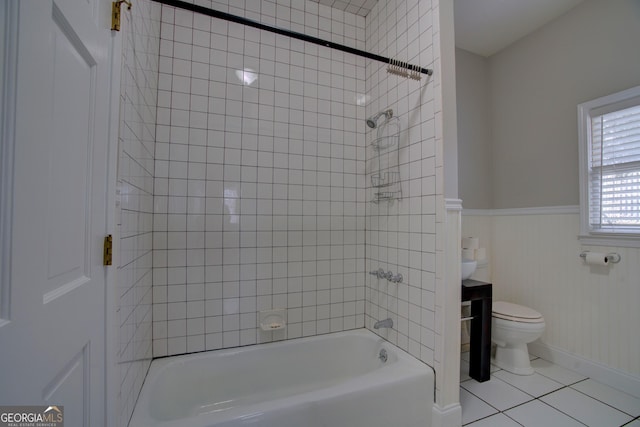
[255, 24]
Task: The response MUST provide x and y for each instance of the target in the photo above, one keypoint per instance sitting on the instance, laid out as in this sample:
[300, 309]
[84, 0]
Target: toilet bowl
[512, 327]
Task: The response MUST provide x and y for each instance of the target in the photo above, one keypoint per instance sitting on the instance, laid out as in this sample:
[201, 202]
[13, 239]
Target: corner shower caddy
[385, 178]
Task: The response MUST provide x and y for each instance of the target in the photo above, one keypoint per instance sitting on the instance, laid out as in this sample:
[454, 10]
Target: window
[609, 133]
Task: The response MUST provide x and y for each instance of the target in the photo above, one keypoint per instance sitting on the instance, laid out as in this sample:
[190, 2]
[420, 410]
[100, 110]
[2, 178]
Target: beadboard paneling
[591, 312]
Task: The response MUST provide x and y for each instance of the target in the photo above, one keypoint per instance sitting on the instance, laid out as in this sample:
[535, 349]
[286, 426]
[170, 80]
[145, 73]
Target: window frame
[587, 110]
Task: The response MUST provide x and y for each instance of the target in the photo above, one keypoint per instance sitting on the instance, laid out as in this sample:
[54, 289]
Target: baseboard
[612, 377]
[449, 416]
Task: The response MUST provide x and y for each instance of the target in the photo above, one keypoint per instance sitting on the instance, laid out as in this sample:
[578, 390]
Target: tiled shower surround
[259, 178]
[401, 235]
[138, 99]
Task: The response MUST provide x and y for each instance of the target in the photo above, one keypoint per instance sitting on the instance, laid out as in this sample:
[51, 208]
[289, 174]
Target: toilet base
[514, 359]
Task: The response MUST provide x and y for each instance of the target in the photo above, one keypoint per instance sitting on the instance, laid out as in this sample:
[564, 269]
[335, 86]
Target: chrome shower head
[372, 121]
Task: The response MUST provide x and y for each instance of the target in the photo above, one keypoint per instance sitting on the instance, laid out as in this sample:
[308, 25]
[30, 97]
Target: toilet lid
[515, 312]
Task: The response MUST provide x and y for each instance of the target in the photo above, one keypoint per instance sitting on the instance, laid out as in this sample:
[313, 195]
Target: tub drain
[383, 355]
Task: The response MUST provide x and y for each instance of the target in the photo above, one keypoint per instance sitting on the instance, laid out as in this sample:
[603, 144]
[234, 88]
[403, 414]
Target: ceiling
[485, 27]
[359, 7]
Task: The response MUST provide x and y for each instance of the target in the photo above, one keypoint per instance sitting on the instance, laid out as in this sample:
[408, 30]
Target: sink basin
[468, 267]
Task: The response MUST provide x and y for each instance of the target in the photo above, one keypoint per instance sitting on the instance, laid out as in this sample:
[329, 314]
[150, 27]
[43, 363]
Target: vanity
[479, 294]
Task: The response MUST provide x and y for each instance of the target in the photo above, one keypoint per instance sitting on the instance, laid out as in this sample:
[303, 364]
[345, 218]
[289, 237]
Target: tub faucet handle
[379, 273]
[396, 279]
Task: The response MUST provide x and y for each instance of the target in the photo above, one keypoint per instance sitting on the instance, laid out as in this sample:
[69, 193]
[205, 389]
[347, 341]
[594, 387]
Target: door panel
[53, 345]
[71, 386]
[69, 198]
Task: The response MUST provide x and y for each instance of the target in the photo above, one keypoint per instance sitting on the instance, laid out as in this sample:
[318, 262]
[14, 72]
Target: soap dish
[273, 320]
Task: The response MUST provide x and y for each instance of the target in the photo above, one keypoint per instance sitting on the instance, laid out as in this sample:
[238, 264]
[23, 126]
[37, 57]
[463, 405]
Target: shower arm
[372, 121]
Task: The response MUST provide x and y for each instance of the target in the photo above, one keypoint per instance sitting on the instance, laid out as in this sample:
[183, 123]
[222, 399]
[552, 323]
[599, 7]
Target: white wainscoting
[591, 312]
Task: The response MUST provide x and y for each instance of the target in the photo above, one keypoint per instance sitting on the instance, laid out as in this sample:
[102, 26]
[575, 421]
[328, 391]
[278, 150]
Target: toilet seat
[515, 313]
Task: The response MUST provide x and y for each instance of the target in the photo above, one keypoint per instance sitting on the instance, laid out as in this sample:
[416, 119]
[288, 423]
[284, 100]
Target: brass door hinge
[108, 250]
[115, 13]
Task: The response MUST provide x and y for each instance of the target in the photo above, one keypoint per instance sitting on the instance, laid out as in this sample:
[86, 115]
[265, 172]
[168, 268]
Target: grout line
[483, 418]
[519, 404]
[567, 386]
[471, 393]
[553, 391]
[633, 420]
[507, 415]
[605, 403]
[561, 411]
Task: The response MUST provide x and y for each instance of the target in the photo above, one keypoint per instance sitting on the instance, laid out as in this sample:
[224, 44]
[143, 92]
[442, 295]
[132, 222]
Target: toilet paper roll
[480, 254]
[596, 258]
[470, 243]
[468, 254]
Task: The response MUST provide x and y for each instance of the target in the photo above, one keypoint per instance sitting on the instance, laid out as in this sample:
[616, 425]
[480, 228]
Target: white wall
[259, 191]
[136, 145]
[536, 85]
[473, 93]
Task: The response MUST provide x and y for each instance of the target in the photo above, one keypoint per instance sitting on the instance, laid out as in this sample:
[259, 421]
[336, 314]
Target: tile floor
[552, 397]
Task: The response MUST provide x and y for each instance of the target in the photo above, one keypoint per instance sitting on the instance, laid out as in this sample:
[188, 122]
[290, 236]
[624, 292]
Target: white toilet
[512, 327]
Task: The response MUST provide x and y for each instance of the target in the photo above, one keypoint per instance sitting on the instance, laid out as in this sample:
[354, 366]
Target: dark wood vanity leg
[480, 351]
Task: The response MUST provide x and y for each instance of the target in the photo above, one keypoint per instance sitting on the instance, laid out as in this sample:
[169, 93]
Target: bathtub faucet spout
[386, 323]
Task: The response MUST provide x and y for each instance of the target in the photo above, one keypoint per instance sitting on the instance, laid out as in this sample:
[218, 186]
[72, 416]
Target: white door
[52, 337]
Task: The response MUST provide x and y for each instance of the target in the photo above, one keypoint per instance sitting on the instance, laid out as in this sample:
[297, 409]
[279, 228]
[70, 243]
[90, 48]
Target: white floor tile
[535, 385]
[473, 408]
[585, 409]
[584, 402]
[498, 420]
[536, 414]
[618, 399]
[497, 393]
[555, 372]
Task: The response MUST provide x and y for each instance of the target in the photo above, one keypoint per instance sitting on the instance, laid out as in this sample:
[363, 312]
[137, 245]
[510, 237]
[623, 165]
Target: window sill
[610, 239]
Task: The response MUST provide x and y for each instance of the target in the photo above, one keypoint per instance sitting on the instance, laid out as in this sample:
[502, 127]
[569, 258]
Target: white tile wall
[401, 236]
[138, 93]
[359, 7]
[305, 16]
[259, 184]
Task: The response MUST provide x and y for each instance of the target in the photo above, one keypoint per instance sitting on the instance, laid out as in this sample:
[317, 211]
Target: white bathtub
[334, 380]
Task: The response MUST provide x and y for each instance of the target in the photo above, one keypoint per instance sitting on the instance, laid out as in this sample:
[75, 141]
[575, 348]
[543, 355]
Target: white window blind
[614, 171]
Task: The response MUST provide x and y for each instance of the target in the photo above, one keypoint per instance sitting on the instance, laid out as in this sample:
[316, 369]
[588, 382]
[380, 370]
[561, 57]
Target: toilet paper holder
[612, 257]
